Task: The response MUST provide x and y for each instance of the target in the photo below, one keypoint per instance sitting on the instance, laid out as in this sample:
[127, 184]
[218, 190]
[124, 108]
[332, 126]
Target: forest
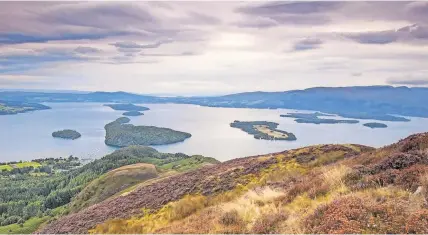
[28, 192]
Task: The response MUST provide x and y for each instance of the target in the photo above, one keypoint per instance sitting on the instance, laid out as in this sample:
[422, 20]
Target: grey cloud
[322, 12]
[101, 16]
[414, 82]
[409, 80]
[307, 44]
[131, 48]
[358, 74]
[259, 22]
[198, 18]
[298, 13]
[87, 50]
[185, 53]
[134, 45]
[302, 19]
[290, 8]
[409, 34]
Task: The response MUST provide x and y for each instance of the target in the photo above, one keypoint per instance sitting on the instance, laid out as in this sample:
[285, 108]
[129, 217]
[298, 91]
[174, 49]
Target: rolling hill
[315, 189]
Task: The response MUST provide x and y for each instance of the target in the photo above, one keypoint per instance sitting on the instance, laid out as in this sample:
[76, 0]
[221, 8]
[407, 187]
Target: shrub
[230, 218]
[187, 206]
[352, 214]
[268, 223]
[418, 222]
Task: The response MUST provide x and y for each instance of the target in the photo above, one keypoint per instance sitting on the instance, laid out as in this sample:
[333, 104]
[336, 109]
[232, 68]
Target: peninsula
[127, 107]
[15, 107]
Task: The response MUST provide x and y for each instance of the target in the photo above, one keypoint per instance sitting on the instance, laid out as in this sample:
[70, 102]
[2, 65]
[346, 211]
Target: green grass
[187, 164]
[5, 167]
[28, 164]
[29, 226]
[19, 165]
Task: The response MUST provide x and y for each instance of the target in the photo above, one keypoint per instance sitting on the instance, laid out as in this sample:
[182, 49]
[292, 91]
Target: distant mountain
[363, 102]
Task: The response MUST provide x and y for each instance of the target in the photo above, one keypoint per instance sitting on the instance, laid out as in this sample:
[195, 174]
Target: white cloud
[205, 47]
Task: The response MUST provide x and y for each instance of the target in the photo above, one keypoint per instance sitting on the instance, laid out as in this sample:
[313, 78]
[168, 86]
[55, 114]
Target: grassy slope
[28, 227]
[309, 190]
[113, 182]
[127, 177]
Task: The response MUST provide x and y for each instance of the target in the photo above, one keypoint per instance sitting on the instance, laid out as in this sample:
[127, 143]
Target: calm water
[28, 136]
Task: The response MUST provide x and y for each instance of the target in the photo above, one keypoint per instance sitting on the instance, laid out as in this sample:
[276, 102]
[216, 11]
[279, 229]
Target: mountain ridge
[366, 102]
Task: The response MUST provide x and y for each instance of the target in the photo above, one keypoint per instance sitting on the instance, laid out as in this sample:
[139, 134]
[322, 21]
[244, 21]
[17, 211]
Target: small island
[314, 118]
[375, 125]
[132, 113]
[66, 134]
[263, 130]
[374, 116]
[127, 107]
[121, 134]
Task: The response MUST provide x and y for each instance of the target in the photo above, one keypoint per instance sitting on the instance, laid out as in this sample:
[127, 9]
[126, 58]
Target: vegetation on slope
[113, 182]
[120, 134]
[317, 189]
[15, 107]
[127, 107]
[66, 134]
[28, 193]
[263, 130]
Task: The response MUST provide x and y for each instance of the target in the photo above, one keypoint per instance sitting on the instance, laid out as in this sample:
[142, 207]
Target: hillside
[39, 191]
[316, 189]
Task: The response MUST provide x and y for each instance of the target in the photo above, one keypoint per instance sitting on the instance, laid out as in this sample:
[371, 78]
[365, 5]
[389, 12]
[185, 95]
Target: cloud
[198, 18]
[307, 44]
[131, 49]
[18, 38]
[185, 53]
[87, 50]
[409, 80]
[289, 8]
[134, 45]
[408, 34]
[257, 22]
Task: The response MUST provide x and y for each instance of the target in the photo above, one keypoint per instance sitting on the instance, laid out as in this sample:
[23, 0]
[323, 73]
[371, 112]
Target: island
[314, 118]
[121, 134]
[375, 125]
[66, 134]
[127, 107]
[132, 113]
[263, 130]
[374, 116]
[15, 107]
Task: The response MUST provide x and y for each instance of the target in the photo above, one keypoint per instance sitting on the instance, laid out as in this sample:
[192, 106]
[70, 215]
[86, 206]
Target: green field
[5, 167]
[29, 226]
[9, 167]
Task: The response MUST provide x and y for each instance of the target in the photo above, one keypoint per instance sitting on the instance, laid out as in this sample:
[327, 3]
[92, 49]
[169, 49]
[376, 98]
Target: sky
[210, 48]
